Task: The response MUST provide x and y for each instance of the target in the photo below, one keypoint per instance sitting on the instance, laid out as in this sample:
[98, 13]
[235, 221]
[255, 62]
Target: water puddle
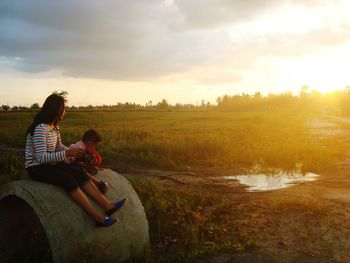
[279, 180]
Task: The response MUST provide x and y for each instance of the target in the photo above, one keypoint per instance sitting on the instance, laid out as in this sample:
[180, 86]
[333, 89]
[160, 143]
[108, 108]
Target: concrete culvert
[40, 223]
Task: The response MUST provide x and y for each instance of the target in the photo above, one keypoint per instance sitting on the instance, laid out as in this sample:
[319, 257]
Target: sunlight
[323, 72]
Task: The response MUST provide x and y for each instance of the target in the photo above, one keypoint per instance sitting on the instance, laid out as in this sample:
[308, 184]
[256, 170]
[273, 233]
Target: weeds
[11, 167]
[183, 224]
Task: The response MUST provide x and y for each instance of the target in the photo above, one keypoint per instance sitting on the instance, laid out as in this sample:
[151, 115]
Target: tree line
[161, 105]
[306, 99]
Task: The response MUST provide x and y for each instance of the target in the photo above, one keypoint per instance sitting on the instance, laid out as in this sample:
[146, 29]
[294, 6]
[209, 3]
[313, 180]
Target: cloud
[142, 40]
[113, 39]
[297, 45]
[244, 55]
[212, 13]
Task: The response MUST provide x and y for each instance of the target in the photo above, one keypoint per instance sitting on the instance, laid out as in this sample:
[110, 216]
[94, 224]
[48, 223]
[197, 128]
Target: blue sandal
[107, 222]
[119, 204]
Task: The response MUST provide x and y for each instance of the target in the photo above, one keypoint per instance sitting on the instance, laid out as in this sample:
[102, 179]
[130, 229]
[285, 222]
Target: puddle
[266, 182]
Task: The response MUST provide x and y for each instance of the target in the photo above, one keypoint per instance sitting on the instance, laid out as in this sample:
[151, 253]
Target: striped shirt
[44, 146]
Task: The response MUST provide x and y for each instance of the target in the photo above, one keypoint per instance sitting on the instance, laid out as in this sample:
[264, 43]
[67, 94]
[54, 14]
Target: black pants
[67, 176]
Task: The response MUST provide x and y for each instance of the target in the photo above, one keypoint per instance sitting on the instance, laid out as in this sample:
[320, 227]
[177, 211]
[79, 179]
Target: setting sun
[325, 72]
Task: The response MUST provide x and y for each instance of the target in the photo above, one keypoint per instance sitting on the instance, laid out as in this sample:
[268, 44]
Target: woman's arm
[40, 146]
[60, 146]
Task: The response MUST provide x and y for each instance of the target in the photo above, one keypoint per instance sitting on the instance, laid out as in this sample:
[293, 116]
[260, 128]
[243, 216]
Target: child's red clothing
[97, 158]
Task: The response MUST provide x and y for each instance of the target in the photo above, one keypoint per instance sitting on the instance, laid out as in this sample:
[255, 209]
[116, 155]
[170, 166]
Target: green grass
[192, 140]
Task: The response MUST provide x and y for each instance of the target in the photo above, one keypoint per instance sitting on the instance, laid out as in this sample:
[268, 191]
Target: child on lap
[91, 159]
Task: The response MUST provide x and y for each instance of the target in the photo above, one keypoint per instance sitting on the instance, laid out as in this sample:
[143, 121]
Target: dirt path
[335, 186]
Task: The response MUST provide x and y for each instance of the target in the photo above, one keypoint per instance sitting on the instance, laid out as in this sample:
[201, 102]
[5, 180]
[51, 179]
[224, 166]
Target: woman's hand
[74, 152]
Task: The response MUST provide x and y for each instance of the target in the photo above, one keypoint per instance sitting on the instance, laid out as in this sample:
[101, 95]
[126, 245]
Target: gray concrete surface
[34, 215]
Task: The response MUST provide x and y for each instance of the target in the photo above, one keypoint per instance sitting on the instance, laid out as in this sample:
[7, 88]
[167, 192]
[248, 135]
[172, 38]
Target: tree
[23, 108]
[34, 106]
[208, 105]
[163, 104]
[5, 107]
[304, 91]
[257, 95]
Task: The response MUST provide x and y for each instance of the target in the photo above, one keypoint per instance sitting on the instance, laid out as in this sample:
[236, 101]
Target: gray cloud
[211, 13]
[139, 40]
[116, 39]
[297, 45]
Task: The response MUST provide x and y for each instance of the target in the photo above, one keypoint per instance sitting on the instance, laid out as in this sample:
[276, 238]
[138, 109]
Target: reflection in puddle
[264, 182]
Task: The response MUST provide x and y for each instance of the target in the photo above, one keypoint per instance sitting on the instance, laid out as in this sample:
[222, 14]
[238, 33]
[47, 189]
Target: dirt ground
[308, 222]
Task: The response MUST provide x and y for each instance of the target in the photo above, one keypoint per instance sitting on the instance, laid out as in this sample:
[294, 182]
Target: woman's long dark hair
[52, 108]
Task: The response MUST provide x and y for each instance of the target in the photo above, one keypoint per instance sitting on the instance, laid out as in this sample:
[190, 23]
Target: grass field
[196, 220]
[193, 141]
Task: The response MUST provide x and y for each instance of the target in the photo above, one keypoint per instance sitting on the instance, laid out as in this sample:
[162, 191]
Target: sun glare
[324, 72]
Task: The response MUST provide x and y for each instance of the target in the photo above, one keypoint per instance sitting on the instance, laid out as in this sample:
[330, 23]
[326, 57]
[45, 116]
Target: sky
[109, 51]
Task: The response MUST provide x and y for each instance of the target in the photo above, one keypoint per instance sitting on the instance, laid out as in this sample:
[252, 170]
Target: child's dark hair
[91, 135]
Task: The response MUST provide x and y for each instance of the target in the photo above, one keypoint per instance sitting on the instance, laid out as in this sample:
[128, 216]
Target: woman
[44, 156]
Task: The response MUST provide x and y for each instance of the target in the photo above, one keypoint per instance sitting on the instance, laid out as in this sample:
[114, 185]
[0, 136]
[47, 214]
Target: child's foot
[107, 222]
[102, 186]
[119, 204]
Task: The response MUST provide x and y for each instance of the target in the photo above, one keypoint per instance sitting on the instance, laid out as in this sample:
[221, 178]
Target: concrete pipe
[40, 223]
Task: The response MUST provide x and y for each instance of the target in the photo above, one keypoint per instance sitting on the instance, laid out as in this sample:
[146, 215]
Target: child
[91, 139]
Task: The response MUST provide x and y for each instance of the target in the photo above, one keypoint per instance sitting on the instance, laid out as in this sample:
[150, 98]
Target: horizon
[306, 90]
[115, 51]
